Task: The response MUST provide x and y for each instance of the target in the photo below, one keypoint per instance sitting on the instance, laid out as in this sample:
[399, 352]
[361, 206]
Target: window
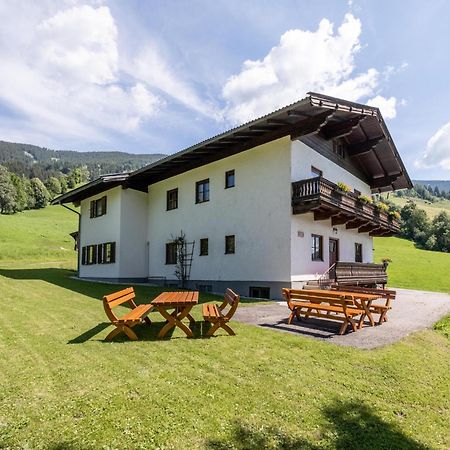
[358, 252]
[89, 255]
[202, 191]
[229, 179]
[316, 247]
[259, 292]
[339, 146]
[229, 244]
[99, 254]
[204, 288]
[98, 207]
[203, 247]
[171, 253]
[315, 172]
[106, 253]
[172, 199]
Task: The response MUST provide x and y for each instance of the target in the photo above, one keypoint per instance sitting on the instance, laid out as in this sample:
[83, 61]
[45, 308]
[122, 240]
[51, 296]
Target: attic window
[339, 146]
[98, 207]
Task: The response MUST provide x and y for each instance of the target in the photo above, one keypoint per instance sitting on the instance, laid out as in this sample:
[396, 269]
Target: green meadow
[63, 387]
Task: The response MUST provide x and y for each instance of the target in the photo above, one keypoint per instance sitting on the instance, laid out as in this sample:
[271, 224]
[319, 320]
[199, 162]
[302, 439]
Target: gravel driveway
[411, 311]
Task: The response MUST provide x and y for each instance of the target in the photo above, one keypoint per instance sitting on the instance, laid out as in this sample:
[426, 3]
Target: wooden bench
[137, 315]
[382, 310]
[324, 305]
[217, 316]
[359, 274]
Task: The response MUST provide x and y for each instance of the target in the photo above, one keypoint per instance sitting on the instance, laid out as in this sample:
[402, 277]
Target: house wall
[133, 255]
[101, 229]
[303, 225]
[257, 211]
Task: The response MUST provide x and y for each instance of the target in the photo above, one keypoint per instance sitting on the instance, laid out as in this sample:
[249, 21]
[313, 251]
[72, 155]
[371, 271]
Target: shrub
[365, 199]
[382, 206]
[343, 187]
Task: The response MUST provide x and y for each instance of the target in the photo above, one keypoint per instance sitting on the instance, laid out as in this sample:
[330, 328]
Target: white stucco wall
[302, 267]
[101, 229]
[133, 255]
[257, 211]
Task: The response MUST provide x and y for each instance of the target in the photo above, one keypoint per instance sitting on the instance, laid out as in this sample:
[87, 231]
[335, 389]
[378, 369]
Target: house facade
[270, 204]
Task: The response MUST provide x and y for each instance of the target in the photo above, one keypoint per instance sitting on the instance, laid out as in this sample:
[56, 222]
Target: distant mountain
[33, 161]
[441, 184]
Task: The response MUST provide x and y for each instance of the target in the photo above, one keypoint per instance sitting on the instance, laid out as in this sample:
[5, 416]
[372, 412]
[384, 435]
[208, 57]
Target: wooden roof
[369, 142]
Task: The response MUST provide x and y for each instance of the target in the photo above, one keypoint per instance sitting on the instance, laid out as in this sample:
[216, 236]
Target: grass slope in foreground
[62, 387]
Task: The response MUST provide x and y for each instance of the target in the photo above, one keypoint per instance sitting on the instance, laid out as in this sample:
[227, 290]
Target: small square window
[339, 146]
[259, 292]
[98, 207]
[203, 246]
[202, 191]
[229, 179]
[316, 247]
[171, 253]
[358, 252]
[172, 199]
[230, 247]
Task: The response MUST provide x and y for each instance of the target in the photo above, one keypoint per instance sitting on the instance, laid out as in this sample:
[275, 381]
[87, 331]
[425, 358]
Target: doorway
[333, 251]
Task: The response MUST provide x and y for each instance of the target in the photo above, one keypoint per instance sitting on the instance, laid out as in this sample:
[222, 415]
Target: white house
[260, 203]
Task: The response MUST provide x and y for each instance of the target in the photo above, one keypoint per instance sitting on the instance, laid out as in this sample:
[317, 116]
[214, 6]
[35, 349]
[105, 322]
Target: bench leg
[113, 334]
[213, 329]
[291, 316]
[130, 333]
[343, 327]
[228, 329]
[147, 320]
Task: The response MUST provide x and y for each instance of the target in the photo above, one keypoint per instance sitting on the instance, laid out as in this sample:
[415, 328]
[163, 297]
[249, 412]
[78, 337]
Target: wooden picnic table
[362, 300]
[181, 303]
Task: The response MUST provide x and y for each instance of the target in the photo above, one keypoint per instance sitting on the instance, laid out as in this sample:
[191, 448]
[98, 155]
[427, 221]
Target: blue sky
[158, 76]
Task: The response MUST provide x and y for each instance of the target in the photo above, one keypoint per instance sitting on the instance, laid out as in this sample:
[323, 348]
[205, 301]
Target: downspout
[79, 236]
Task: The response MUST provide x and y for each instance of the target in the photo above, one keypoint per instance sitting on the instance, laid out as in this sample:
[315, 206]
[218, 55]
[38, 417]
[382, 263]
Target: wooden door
[333, 249]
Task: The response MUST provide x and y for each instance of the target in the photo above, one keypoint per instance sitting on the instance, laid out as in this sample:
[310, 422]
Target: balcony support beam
[341, 129]
[368, 228]
[364, 147]
[340, 220]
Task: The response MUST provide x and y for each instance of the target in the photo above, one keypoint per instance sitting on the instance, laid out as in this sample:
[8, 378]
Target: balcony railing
[326, 200]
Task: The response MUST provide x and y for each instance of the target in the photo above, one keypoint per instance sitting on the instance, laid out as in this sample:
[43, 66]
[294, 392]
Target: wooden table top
[360, 295]
[176, 298]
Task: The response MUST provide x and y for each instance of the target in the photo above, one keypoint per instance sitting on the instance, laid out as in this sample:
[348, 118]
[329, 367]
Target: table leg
[174, 320]
[366, 307]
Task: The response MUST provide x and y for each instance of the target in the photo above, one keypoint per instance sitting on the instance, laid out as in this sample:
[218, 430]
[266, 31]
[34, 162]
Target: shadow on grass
[144, 332]
[62, 278]
[351, 426]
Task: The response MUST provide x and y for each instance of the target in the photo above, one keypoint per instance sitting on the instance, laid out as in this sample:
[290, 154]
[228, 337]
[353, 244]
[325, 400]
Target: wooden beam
[261, 128]
[367, 228]
[363, 147]
[294, 113]
[384, 181]
[355, 223]
[340, 220]
[341, 129]
[325, 214]
[311, 125]
[279, 121]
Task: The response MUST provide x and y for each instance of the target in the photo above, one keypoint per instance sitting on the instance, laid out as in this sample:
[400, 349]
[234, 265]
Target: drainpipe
[79, 235]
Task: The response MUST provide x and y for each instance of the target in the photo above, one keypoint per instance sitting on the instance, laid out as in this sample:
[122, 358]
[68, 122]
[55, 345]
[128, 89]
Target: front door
[333, 249]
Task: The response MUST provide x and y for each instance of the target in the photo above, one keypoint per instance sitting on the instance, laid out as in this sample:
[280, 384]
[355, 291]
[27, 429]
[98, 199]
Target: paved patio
[411, 311]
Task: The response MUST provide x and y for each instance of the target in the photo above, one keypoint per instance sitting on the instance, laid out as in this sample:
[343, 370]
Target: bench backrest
[356, 273]
[118, 298]
[231, 299]
[294, 296]
[386, 293]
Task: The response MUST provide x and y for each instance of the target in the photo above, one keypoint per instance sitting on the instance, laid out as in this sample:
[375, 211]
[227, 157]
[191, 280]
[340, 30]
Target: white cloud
[150, 67]
[64, 77]
[321, 60]
[387, 106]
[437, 153]
[80, 43]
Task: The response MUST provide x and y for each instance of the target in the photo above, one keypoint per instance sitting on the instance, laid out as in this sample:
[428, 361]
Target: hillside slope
[412, 268]
[32, 160]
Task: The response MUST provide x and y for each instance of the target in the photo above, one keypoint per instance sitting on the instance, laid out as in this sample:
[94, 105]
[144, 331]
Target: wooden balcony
[325, 200]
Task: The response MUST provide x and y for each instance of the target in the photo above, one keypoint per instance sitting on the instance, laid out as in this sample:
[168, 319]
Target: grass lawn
[413, 268]
[62, 387]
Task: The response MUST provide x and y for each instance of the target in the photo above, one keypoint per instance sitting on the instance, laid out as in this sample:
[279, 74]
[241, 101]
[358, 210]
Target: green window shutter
[94, 251]
[104, 205]
[92, 209]
[100, 253]
[83, 255]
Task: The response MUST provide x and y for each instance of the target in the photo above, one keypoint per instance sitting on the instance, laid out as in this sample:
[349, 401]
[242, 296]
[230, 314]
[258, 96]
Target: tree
[415, 224]
[63, 182]
[40, 193]
[7, 192]
[54, 187]
[441, 229]
[21, 197]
